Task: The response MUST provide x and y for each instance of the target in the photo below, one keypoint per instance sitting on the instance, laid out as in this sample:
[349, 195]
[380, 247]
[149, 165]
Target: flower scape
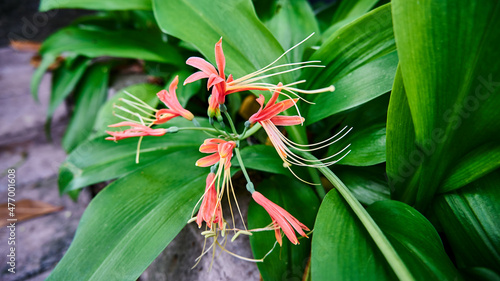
[223, 145]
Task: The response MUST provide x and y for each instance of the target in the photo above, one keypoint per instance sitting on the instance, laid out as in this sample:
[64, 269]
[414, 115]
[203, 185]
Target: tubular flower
[281, 219]
[252, 81]
[210, 209]
[169, 98]
[268, 117]
[136, 130]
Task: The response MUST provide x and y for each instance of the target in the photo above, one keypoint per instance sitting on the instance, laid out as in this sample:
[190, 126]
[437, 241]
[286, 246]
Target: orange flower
[253, 81]
[222, 152]
[281, 219]
[169, 98]
[268, 117]
[210, 209]
[136, 130]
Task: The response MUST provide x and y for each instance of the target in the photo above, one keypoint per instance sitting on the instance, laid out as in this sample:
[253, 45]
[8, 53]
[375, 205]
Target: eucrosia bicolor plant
[225, 144]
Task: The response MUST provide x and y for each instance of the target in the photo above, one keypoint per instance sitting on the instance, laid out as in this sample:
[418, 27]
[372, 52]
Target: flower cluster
[223, 146]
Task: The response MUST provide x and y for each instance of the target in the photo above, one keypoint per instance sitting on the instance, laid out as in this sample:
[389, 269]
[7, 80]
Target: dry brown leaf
[26, 209]
[25, 46]
[37, 59]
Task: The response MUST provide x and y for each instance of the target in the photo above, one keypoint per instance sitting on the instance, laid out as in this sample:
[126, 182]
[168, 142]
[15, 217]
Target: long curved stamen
[128, 119]
[287, 51]
[292, 143]
[292, 158]
[236, 201]
[140, 101]
[138, 107]
[262, 70]
[244, 82]
[141, 118]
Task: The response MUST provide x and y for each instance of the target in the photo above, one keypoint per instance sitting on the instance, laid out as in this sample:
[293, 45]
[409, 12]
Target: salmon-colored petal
[270, 112]
[220, 59]
[226, 148]
[164, 115]
[288, 103]
[126, 123]
[195, 77]
[277, 233]
[287, 120]
[213, 79]
[209, 148]
[202, 65]
[173, 87]
[275, 96]
[208, 160]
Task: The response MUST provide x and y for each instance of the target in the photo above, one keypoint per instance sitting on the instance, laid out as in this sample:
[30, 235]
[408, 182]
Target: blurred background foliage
[417, 80]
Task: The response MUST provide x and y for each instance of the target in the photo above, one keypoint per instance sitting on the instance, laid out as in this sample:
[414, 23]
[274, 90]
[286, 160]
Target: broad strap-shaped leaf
[96, 42]
[469, 218]
[91, 94]
[346, 12]
[299, 200]
[107, 114]
[137, 217]
[343, 250]
[46, 5]
[98, 160]
[263, 158]
[367, 146]
[360, 61]
[36, 79]
[400, 139]
[293, 21]
[367, 184]
[472, 166]
[64, 80]
[248, 45]
[452, 90]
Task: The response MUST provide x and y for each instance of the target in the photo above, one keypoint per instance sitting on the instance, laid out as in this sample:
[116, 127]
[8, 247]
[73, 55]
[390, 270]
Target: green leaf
[106, 116]
[471, 214]
[359, 61]
[99, 160]
[472, 166]
[414, 237]
[388, 251]
[248, 44]
[293, 21]
[337, 230]
[90, 96]
[400, 139]
[263, 158]
[367, 146]
[299, 200]
[47, 60]
[136, 217]
[452, 92]
[46, 5]
[368, 184]
[97, 42]
[64, 81]
[346, 12]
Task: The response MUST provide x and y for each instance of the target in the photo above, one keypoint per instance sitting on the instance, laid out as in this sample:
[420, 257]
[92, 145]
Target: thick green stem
[250, 131]
[230, 120]
[320, 190]
[243, 169]
[377, 235]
